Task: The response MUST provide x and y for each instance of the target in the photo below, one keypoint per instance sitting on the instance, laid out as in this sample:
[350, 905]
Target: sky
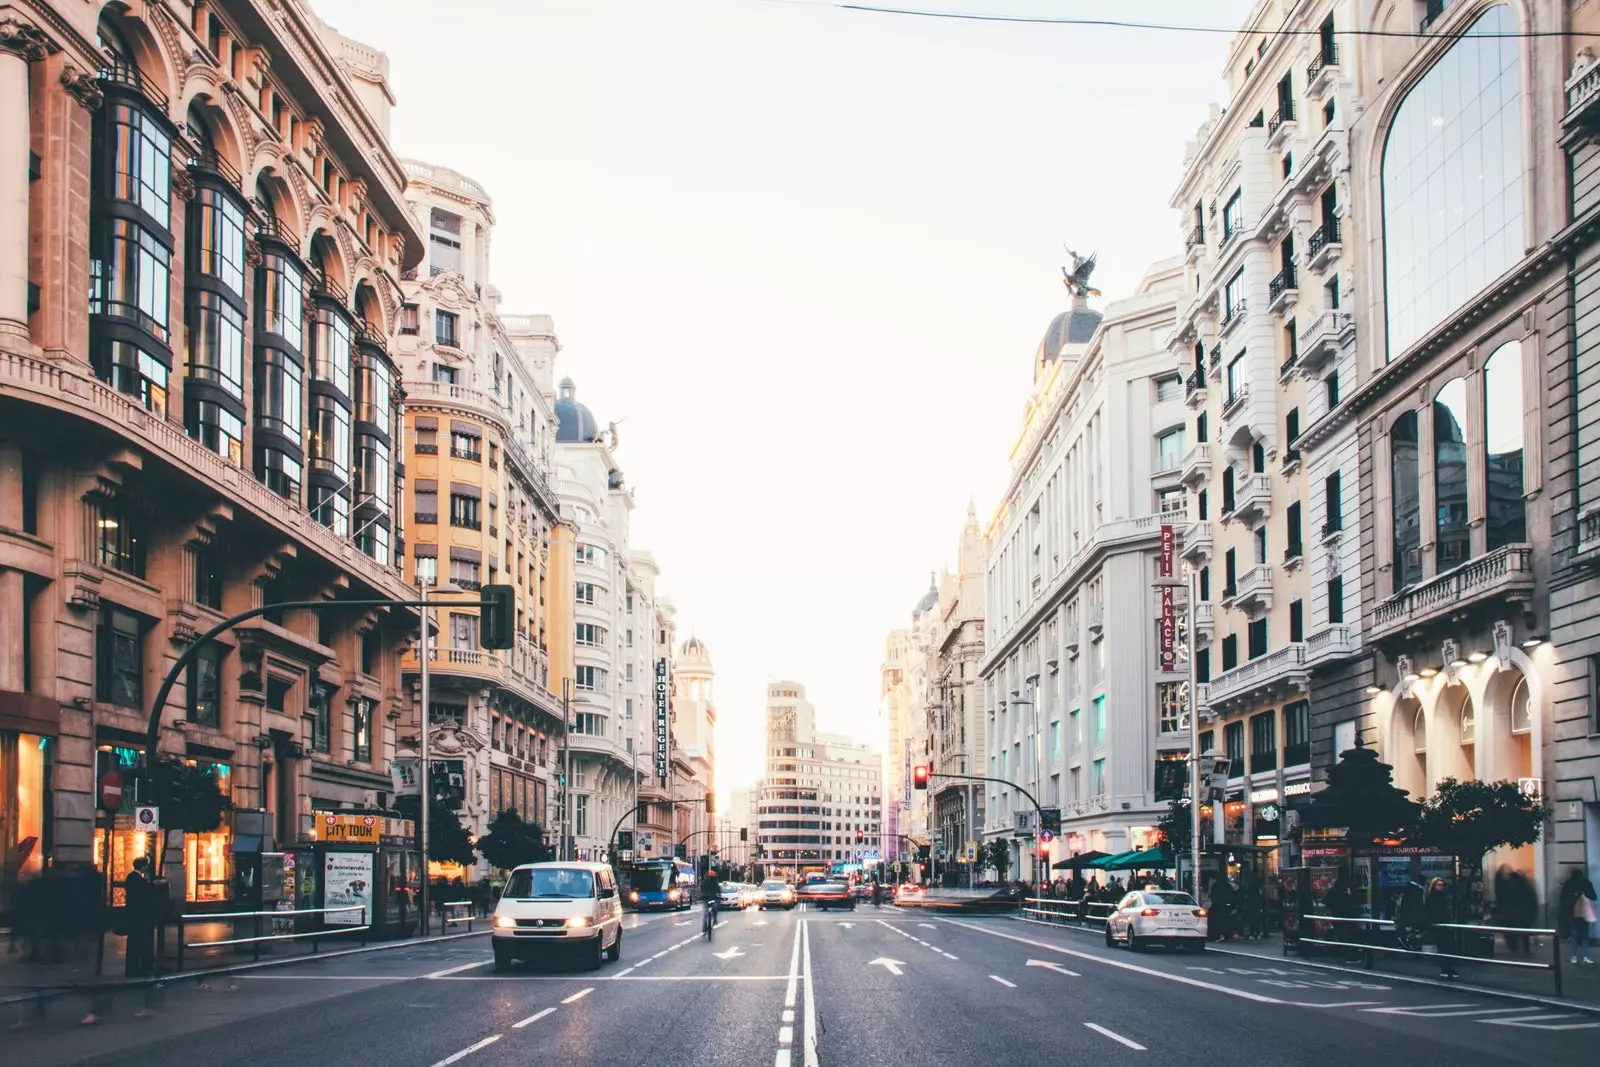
[805, 256]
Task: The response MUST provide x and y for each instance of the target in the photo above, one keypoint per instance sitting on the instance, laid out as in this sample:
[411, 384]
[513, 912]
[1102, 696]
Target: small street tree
[1472, 819]
[512, 841]
[1176, 828]
[448, 840]
[996, 854]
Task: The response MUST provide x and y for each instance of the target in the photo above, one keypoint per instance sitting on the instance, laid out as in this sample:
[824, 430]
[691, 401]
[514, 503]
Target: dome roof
[1072, 327]
[930, 600]
[575, 423]
[694, 648]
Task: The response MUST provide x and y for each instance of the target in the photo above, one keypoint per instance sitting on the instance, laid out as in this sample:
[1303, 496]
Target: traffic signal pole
[921, 773]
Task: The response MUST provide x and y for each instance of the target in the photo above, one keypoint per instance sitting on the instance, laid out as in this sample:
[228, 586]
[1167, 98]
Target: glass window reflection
[1454, 536]
[1452, 180]
[1507, 520]
[1407, 521]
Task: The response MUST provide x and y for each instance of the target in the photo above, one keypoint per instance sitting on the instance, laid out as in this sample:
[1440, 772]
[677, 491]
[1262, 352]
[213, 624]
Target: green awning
[1139, 860]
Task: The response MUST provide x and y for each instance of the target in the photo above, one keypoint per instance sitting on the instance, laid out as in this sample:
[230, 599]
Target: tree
[1361, 797]
[1471, 819]
[997, 854]
[192, 798]
[511, 841]
[448, 840]
[1176, 827]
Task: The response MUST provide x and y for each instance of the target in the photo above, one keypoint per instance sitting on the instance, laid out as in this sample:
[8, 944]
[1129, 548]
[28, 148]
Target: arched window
[1403, 493]
[1502, 434]
[1453, 536]
[1419, 733]
[1452, 180]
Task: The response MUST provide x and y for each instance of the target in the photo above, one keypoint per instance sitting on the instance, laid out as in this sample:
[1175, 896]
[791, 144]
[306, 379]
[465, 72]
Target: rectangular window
[1233, 739]
[591, 635]
[118, 539]
[279, 398]
[1233, 215]
[1291, 426]
[444, 242]
[141, 157]
[1236, 369]
[1169, 450]
[1230, 652]
[443, 374]
[1297, 621]
[1233, 296]
[207, 578]
[408, 321]
[585, 592]
[328, 439]
[589, 679]
[217, 428]
[464, 512]
[1202, 666]
[427, 570]
[463, 627]
[1333, 501]
[464, 572]
[1172, 706]
[1257, 636]
[1171, 505]
[1293, 549]
[1097, 778]
[1297, 733]
[1336, 599]
[361, 731]
[1099, 724]
[465, 446]
[1201, 425]
[1055, 740]
[371, 649]
[1331, 385]
[580, 815]
[130, 276]
[119, 657]
[1263, 742]
[205, 687]
[1205, 583]
[444, 332]
[217, 238]
[317, 711]
[1259, 539]
[280, 299]
[1230, 572]
[1168, 389]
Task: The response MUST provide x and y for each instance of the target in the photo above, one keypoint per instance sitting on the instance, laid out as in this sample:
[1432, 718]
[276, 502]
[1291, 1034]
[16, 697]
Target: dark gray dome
[1072, 327]
[575, 423]
[931, 599]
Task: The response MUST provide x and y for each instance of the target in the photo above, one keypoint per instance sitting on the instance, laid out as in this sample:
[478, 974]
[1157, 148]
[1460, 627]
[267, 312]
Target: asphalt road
[801, 989]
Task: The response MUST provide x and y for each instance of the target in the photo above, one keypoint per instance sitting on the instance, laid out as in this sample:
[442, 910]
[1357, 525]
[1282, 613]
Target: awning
[1082, 859]
[425, 485]
[465, 489]
[1152, 859]
[425, 422]
[466, 555]
[425, 551]
[245, 843]
[467, 429]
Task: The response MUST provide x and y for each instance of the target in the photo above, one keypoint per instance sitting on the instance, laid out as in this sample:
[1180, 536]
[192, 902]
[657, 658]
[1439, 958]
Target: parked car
[1161, 915]
[558, 907]
[825, 895]
[776, 893]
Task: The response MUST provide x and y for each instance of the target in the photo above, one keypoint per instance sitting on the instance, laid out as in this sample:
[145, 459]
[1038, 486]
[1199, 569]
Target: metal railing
[1323, 236]
[1372, 937]
[1080, 912]
[316, 935]
[463, 910]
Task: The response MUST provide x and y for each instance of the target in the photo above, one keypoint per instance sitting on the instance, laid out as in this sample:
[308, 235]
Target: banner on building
[1169, 629]
[1168, 541]
[663, 734]
[403, 776]
[1172, 779]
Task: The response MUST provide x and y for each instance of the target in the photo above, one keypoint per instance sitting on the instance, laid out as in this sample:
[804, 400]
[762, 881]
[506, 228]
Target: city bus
[658, 885]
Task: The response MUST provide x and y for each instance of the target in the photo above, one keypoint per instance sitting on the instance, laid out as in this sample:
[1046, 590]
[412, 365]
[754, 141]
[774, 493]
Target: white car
[551, 907]
[1157, 915]
[776, 893]
[731, 895]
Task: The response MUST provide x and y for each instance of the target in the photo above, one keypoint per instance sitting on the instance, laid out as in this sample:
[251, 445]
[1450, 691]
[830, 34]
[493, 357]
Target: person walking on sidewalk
[1575, 908]
[139, 911]
[1438, 911]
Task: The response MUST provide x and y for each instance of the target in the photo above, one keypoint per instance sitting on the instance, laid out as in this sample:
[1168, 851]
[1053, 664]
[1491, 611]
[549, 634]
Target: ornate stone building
[202, 232]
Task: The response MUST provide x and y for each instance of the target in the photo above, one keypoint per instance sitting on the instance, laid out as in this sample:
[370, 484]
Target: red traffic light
[919, 776]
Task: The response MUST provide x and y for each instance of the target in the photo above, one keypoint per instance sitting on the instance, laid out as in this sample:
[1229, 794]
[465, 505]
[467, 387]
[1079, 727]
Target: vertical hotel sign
[663, 738]
[1169, 613]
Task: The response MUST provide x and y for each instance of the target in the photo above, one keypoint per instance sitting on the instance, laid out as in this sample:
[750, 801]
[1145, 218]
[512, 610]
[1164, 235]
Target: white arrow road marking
[732, 953]
[1052, 965]
[892, 966]
[927, 926]
[848, 926]
[1113, 1035]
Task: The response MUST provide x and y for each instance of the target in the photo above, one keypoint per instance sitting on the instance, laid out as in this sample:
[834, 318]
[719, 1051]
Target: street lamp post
[1038, 757]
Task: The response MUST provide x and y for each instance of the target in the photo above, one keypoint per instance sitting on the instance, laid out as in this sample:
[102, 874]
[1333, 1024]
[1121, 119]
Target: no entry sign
[110, 791]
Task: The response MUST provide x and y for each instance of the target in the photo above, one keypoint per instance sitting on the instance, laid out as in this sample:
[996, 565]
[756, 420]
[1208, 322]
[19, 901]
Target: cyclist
[710, 892]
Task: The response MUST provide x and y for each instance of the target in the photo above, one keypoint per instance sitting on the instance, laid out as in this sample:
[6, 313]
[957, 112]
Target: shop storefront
[25, 776]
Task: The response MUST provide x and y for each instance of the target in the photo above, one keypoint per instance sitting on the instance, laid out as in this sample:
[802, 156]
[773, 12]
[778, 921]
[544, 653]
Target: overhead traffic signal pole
[922, 773]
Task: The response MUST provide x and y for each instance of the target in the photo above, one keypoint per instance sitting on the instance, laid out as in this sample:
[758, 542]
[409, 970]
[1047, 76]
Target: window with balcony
[1264, 742]
[1333, 503]
[1202, 425]
[1230, 652]
[1236, 378]
[119, 658]
[1453, 537]
[444, 330]
[1336, 599]
[1256, 634]
[1291, 426]
[427, 504]
[1233, 295]
[1457, 138]
[444, 242]
[464, 511]
[466, 446]
[1230, 573]
[463, 627]
[1169, 450]
[1233, 216]
[443, 374]
[1171, 504]
[427, 567]
[1506, 515]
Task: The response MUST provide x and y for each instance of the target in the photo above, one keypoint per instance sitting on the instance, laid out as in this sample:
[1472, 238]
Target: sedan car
[776, 893]
[732, 895]
[1162, 915]
[825, 895]
[909, 893]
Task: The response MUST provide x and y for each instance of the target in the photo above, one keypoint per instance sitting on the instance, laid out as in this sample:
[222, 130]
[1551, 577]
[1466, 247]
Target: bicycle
[710, 922]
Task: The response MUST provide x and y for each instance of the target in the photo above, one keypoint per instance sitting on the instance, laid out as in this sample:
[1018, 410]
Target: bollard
[1555, 941]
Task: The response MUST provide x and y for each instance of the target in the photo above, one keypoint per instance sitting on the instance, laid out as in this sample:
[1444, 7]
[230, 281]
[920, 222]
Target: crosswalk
[1533, 1018]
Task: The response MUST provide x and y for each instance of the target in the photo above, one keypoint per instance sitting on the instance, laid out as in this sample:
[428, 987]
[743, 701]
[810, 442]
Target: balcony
[1235, 399]
[1332, 528]
[1334, 641]
[1286, 368]
[424, 449]
[1228, 237]
[1328, 333]
[1196, 548]
[1322, 71]
[1214, 362]
[1297, 755]
[1231, 318]
[1261, 762]
[1266, 678]
[1196, 465]
[1204, 621]
[427, 518]
[1505, 574]
[1280, 127]
[1254, 594]
[1324, 246]
[1291, 460]
[1583, 100]
[1194, 395]
[1097, 620]
[1588, 538]
[1294, 555]
[1252, 497]
[1202, 701]
[466, 454]
[465, 522]
[1282, 291]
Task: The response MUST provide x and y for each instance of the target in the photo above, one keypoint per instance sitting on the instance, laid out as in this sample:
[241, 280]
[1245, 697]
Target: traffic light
[860, 836]
[711, 803]
[497, 617]
[919, 776]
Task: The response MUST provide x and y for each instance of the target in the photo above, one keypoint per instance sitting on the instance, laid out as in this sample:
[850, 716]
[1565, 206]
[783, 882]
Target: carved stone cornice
[84, 88]
[24, 40]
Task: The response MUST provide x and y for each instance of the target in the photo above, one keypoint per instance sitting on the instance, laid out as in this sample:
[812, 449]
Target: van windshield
[550, 883]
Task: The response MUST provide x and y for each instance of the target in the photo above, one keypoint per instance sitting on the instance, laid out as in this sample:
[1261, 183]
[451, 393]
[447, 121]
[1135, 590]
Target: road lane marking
[1341, 1004]
[811, 1004]
[658, 955]
[950, 957]
[1425, 1010]
[579, 995]
[623, 973]
[1540, 1022]
[618, 978]
[788, 1015]
[469, 1050]
[530, 1020]
[1054, 966]
[1002, 981]
[785, 1035]
[892, 966]
[783, 1058]
[1113, 1035]
[1181, 979]
[327, 977]
[794, 969]
[455, 970]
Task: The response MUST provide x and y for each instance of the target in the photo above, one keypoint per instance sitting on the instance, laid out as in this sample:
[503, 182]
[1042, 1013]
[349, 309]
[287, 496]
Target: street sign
[348, 829]
[971, 849]
[1024, 826]
[1052, 819]
[1168, 543]
[896, 866]
[147, 820]
[1045, 837]
[110, 791]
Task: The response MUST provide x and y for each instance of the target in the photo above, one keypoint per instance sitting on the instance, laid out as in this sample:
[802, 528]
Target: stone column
[20, 44]
[12, 669]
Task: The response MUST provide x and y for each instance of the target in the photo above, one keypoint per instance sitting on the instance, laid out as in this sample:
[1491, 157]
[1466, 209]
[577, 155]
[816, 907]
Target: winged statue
[1077, 276]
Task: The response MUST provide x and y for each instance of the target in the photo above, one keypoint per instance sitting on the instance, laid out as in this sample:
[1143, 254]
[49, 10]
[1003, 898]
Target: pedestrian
[1255, 908]
[1514, 905]
[1438, 910]
[139, 919]
[1575, 908]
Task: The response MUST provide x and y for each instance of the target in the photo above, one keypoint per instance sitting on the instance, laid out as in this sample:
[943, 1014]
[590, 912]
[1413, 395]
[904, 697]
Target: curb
[112, 988]
[1486, 991]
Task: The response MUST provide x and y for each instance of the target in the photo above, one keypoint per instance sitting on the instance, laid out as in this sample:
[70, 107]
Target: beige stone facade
[202, 233]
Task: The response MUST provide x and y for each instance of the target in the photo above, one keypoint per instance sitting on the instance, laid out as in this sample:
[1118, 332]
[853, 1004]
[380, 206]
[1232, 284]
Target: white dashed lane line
[1002, 981]
[579, 995]
[469, 1050]
[1113, 1035]
[530, 1020]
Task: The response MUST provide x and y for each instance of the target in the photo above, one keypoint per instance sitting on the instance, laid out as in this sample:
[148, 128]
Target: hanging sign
[663, 738]
[1169, 629]
[1168, 541]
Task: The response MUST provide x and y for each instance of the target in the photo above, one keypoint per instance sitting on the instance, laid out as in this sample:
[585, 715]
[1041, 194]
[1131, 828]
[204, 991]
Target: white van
[558, 907]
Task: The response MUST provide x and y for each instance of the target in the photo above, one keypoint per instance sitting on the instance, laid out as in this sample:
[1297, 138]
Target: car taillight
[1200, 913]
[1150, 911]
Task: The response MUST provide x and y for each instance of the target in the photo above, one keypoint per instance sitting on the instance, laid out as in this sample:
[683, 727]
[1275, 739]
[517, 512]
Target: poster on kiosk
[347, 883]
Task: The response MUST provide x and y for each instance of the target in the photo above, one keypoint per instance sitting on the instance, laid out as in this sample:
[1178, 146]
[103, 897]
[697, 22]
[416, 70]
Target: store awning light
[1429, 672]
[1477, 657]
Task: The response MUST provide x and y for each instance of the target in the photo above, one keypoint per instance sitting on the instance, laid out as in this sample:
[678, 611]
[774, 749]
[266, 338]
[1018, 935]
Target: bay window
[280, 298]
[216, 342]
[330, 348]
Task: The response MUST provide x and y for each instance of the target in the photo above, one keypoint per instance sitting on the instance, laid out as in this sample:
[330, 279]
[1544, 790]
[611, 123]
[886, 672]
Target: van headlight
[674, 894]
[578, 920]
[634, 896]
[504, 922]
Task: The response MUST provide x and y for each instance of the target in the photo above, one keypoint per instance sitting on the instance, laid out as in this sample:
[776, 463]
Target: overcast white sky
[808, 253]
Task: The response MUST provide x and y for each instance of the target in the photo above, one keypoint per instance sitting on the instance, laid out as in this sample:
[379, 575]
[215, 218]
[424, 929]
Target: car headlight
[577, 920]
[633, 896]
[504, 922]
[674, 894]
